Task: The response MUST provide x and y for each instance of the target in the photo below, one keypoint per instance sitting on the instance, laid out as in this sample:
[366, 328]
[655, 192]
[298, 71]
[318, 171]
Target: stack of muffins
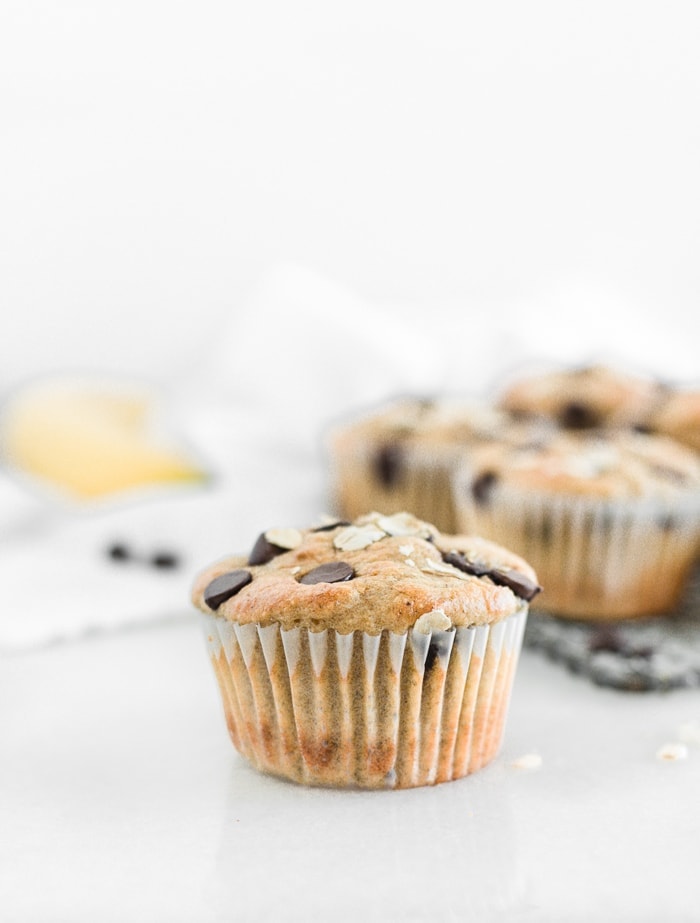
[591, 474]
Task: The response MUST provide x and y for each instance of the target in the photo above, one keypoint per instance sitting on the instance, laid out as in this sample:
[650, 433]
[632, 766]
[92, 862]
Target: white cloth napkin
[299, 355]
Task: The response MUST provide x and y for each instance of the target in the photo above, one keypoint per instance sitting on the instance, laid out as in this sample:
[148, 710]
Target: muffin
[375, 654]
[679, 417]
[610, 522]
[402, 456]
[584, 398]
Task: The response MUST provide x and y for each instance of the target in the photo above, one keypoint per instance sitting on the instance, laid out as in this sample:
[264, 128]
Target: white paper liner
[364, 710]
[595, 558]
[422, 487]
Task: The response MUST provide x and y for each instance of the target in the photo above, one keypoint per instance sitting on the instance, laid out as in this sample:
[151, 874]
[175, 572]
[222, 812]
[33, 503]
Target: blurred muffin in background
[402, 455]
[679, 417]
[609, 520]
[584, 398]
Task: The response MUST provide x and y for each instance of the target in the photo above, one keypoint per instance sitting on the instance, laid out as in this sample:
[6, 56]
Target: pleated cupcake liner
[368, 711]
[423, 486]
[595, 558]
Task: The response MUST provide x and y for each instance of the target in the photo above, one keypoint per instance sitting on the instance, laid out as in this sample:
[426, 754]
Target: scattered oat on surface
[671, 752]
[527, 761]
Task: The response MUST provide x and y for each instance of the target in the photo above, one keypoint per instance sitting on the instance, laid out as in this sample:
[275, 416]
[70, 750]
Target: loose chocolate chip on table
[458, 560]
[331, 525]
[576, 415]
[264, 551]
[332, 572]
[521, 585]
[164, 559]
[119, 552]
[482, 485]
[388, 464]
[224, 587]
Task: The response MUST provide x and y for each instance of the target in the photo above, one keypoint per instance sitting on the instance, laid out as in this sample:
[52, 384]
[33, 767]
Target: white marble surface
[123, 800]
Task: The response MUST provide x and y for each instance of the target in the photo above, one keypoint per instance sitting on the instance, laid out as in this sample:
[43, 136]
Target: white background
[485, 182]
[522, 173]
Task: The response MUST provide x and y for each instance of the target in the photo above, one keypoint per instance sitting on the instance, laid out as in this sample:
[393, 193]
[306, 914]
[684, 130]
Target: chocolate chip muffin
[584, 398]
[402, 456]
[610, 521]
[376, 654]
[678, 416]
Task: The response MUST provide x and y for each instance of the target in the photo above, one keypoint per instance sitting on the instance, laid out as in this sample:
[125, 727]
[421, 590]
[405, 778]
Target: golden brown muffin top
[584, 398]
[378, 572]
[617, 465]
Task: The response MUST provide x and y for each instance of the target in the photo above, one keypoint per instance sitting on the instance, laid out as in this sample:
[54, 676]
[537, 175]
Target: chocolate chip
[119, 552]
[332, 572]
[458, 560]
[164, 559]
[389, 464]
[482, 486]
[576, 415]
[644, 428]
[331, 525]
[264, 551]
[521, 585]
[226, 586]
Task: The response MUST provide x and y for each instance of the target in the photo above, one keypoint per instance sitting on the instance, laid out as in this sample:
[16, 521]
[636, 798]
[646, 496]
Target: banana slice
[90, 440]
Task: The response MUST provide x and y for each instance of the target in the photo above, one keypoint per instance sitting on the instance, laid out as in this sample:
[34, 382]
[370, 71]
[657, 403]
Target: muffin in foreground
[373, 654]
[610, 521]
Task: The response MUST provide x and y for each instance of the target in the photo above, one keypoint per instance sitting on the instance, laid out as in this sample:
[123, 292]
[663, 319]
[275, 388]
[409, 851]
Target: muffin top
[617, 465]
[448, 421]
[584, 398]
[679, 417]
[378, 572]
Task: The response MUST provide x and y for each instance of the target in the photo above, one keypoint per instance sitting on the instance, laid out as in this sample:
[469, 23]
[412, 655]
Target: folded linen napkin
[299, 354]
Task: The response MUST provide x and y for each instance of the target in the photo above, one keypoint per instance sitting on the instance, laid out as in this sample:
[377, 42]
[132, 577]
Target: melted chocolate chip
[458, 560]
[389, 464]
[482, 485]
[576, 415]
[331, 525]
[264, 551]
[332, 572]
[645, 429]
[521, 585]
[226, 586]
